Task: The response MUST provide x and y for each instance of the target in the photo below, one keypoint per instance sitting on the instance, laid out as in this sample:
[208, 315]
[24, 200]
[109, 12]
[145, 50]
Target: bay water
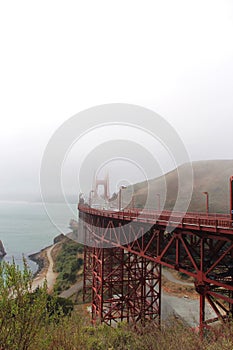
[26, 228]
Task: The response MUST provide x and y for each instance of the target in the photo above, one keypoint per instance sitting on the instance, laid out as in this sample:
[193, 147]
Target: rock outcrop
[2, 250]
[59, 238]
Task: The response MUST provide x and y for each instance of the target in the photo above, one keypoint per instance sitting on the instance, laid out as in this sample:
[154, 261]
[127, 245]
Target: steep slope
[211, 176]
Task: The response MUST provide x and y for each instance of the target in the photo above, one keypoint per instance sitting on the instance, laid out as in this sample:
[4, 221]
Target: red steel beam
[202, 253]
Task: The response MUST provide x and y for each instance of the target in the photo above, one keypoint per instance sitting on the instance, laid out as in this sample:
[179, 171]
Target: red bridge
[124, 252]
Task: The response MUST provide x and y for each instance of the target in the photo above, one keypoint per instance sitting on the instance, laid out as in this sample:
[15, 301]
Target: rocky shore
[45, 261]
[40, 258]
[2, 250]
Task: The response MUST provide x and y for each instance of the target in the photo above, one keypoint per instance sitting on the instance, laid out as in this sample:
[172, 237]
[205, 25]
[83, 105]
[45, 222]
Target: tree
[22, 312]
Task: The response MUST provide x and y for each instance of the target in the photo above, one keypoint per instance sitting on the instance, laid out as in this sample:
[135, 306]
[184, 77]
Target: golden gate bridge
[124, 251]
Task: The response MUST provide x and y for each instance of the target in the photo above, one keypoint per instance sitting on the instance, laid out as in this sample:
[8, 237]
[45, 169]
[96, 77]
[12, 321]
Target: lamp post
[120, 195]
[207, 202]
[159, 201]
[231, 197]
[90, 197]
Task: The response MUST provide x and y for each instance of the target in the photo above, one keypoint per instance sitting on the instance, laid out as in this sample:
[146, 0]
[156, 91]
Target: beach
[45, 273]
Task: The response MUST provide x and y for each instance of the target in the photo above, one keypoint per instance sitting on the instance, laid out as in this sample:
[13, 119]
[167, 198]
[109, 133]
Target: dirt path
[48, 274]
[171, 278]
[51, 275]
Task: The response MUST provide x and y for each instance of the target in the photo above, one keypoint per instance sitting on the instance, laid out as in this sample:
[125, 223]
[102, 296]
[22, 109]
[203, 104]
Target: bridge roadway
[196, 244]
[219, 223]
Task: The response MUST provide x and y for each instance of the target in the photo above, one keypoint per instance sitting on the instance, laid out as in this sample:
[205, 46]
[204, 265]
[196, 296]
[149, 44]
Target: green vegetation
[23, 312]
[34, 321]
[67, 264]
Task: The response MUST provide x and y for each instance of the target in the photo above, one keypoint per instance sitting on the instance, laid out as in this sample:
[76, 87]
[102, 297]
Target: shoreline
[45, 262]
[45, 271]
[40, 258]
[2, 250]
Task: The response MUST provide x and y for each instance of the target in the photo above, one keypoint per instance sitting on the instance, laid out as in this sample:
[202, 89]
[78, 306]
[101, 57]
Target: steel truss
[125, 286]
[126, 279]
[87, 273]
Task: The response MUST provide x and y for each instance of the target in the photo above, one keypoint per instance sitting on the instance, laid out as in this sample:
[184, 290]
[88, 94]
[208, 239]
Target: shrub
[21, 316]
[67, 265]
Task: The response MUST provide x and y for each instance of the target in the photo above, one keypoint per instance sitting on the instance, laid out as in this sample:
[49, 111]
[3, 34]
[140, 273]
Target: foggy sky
[174, 57]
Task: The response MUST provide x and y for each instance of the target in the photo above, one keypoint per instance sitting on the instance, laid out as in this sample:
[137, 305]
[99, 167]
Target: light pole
[90, 197]
[120, 195]
[159, 201]
[207, 202]
[231, 197]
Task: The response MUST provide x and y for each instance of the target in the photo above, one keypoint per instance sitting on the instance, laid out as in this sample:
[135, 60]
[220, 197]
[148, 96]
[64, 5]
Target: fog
[58, 59]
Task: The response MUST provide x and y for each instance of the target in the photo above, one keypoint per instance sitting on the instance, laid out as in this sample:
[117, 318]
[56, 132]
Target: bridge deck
[217, 223]
[198, 245]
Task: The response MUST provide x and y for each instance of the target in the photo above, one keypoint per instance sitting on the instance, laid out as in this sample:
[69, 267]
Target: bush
[36, 321]
[21, 316]
[67, 265]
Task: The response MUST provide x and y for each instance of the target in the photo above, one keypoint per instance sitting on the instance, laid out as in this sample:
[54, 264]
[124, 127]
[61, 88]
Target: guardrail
[198, 221]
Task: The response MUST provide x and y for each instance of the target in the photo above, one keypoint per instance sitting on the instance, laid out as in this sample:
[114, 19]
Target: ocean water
[26, 228]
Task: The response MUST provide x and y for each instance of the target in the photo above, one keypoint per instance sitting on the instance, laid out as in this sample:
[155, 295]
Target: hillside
[211, 176]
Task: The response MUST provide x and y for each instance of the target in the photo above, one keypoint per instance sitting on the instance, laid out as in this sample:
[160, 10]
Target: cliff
[2, 250]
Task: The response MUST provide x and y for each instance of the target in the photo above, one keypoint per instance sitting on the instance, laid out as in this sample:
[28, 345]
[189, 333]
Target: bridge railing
[196, 220]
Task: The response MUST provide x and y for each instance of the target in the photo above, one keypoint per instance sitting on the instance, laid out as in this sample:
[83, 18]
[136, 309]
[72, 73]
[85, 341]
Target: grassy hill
[211, 176]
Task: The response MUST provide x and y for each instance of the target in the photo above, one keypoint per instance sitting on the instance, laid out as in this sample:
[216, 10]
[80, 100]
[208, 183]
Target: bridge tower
[101, 182]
